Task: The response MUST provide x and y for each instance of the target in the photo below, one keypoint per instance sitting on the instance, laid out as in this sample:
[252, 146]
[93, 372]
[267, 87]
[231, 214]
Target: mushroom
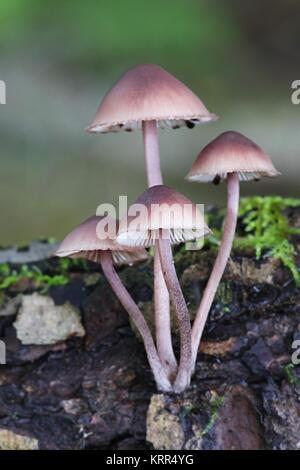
[146, 97]
[161, 216]
[88, 241]
[148, 94]
[232, 157]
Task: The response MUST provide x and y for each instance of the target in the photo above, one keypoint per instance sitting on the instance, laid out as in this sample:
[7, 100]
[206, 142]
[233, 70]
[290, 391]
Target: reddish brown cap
[145, 93]
[85, 241]
[161, 207]
[231, 152]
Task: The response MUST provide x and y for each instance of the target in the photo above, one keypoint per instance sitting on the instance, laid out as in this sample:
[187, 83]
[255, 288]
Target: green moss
[4, 270]
[51, 240]
[267, 230]
[68, 264]
[214, 220]
[263, 228]
[188, 408]
[287, 368]
[10, 277]
[214, 409]
[224, 294]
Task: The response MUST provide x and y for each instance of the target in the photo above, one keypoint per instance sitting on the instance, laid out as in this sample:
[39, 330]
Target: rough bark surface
[96, 391]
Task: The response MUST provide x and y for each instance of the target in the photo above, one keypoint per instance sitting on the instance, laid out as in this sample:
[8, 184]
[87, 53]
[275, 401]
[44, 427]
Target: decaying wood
[97, 391]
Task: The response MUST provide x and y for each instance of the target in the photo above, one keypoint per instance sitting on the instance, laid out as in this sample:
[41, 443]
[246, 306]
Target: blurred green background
[58, 59]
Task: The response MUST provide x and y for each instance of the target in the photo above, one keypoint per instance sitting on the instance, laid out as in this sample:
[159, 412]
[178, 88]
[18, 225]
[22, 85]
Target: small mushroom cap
[231, 152]
[161, 208]
[85, 241]
[145, 93]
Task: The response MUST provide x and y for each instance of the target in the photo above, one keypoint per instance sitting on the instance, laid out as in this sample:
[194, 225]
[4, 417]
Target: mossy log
[96, 391]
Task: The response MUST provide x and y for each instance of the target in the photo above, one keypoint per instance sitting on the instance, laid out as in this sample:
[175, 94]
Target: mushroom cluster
[148, 97]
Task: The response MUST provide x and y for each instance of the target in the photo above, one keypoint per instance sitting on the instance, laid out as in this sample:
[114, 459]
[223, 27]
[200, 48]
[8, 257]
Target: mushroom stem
[162, 320]
[220, 262]
[138, 319]
[161, 296]
[151, 148]
[183, 378]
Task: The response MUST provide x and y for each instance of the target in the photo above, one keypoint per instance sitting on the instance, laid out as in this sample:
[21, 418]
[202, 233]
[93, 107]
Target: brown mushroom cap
[231, 152]
[83, 242]
[162, 208]
[146, 93]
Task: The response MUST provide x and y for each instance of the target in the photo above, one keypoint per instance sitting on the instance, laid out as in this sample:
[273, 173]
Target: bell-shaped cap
[94, 235]
[161, 211]
[145, 93]
[231, 152]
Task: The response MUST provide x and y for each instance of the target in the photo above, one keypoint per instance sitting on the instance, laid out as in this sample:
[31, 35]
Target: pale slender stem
[162, 320]
[151, 149]
[185, 365]
[220, 262]
[138, 319]
[161, 296]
